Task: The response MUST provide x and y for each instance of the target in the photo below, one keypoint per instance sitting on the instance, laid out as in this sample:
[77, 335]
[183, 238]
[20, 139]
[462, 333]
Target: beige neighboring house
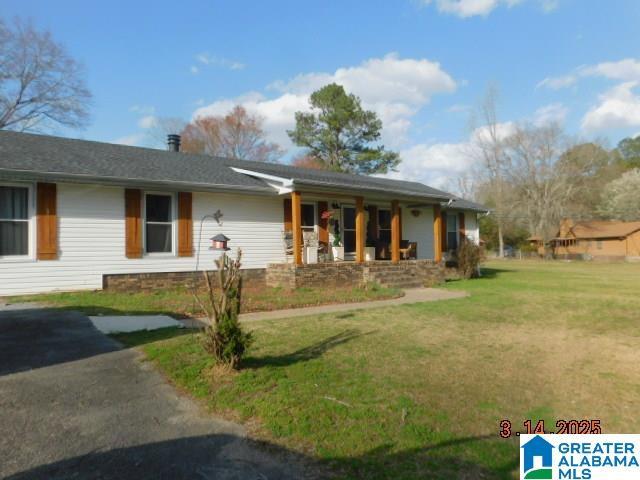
[598, 239]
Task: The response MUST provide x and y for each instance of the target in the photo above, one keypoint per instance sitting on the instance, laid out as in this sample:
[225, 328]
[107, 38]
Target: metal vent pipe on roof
[173, 142]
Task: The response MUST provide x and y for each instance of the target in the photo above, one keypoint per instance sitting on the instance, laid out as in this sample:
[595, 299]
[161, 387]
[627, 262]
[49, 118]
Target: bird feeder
[219, 242]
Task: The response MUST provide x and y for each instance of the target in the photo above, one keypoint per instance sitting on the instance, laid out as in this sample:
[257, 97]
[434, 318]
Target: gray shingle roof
[42, 154]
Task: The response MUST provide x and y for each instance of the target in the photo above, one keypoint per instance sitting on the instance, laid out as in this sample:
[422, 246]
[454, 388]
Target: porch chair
[408, 250]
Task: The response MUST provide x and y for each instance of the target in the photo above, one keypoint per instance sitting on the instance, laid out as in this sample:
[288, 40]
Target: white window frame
[31, 225]
[315, 217]
[456, 229]
[172, 253]
[342, 230]
[380, 229]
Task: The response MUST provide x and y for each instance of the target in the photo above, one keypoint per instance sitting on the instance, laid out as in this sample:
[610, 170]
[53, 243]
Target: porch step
[395, 278]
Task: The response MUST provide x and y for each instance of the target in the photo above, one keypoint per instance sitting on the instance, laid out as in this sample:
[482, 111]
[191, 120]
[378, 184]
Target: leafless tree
[236, 135]
[40, 84]
[545, 187]
[162, 126]
[488, 150]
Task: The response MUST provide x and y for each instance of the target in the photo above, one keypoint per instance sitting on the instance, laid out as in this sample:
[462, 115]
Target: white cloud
[395, 88]
[459, 108]
[207, 59]
[552, 113]
[470, 8]
[134, 140]
[556, 83]
[142, 109]
[618, 107]
[473, 8]
[148, 121]
[626, 70]
[439, 163]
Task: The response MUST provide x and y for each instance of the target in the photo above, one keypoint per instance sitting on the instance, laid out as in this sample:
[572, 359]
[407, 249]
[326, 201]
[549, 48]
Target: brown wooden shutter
[185, 224]
[323, 223]
[133, 222]
[288, 218]
[463, 232]
[373, 223]
[47, 221]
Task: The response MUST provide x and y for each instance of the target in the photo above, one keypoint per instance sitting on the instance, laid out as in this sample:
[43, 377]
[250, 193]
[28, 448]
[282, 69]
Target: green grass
[180, 302]
[417, 391]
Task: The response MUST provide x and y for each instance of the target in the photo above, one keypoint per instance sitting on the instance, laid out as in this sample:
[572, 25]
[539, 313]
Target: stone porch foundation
[405, 274]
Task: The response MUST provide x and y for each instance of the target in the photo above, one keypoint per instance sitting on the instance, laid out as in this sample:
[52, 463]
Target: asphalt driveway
[74, 405]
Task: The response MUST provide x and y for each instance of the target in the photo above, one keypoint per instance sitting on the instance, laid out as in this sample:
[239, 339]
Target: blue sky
[422, 65]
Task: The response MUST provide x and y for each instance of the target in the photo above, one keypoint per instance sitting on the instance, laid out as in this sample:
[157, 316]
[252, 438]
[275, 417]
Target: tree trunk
[500, 241]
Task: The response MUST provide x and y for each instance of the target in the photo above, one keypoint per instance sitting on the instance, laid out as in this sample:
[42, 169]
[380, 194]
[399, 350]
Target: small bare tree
[40, 85]
[223, 336]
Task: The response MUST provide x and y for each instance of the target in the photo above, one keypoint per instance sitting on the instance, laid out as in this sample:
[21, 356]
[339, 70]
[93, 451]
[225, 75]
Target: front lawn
[180, 302]
[417, 391]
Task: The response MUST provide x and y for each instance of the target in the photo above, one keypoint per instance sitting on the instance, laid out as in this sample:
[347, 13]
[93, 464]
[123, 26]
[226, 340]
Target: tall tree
[341, 134]
[40, 84]
[544, 186]
[629, 151]
[621, 197]
[236, 135]
[488, 150]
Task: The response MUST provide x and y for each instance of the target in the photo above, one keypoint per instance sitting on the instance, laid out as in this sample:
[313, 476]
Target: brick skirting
[350, 274]
[140, 282]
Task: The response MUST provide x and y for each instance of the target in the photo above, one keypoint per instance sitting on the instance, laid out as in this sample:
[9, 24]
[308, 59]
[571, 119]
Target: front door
[349, 229]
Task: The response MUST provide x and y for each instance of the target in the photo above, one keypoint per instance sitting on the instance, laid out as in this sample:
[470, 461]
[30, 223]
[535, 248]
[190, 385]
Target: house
[598, 239]
[78, 214]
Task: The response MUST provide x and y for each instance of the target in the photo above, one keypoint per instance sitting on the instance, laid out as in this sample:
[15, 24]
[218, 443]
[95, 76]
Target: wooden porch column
[296, 225]
[395, 231]
[360, 233]
[437, 233]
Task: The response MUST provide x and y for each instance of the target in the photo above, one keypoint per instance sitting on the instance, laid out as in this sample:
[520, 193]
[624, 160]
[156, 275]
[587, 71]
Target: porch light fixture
[219, 243]
[415, 213]
[335, 205]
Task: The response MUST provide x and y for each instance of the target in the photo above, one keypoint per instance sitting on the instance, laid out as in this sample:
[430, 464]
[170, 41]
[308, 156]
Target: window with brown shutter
[133, 223]
[185, 224]
[47, 221]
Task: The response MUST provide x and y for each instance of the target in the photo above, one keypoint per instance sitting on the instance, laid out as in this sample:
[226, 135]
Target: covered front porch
[330, 227]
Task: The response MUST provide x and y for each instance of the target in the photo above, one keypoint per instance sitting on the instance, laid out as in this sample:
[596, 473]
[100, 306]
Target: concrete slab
[133, 323]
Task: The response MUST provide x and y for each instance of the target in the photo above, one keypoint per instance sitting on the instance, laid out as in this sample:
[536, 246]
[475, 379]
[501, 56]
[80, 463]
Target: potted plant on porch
[337, 250]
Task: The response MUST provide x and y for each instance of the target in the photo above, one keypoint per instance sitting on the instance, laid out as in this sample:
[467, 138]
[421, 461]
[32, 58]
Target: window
[452, 232]
[308, 213]
[14, 221]
[158, 223]
[384, 226]
[349, 229]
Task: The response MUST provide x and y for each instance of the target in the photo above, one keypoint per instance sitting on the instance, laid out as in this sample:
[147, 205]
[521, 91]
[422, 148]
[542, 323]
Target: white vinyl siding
[471, 227]
[92, 239]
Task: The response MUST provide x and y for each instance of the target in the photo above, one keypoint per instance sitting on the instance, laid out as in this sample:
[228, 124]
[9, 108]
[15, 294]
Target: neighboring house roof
[50, 156]
[602, 229]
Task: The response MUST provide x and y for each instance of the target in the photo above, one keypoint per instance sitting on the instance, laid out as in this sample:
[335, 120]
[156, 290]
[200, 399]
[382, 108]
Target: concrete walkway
[413, 295]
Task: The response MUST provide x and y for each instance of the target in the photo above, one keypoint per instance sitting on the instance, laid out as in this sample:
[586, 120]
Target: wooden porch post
[437, 233]
[395, 231]
[360, 233]
[296, 224]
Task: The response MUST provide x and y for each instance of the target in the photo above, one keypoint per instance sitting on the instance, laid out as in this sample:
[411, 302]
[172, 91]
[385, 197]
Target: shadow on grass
[310, 352]
[227, 456]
